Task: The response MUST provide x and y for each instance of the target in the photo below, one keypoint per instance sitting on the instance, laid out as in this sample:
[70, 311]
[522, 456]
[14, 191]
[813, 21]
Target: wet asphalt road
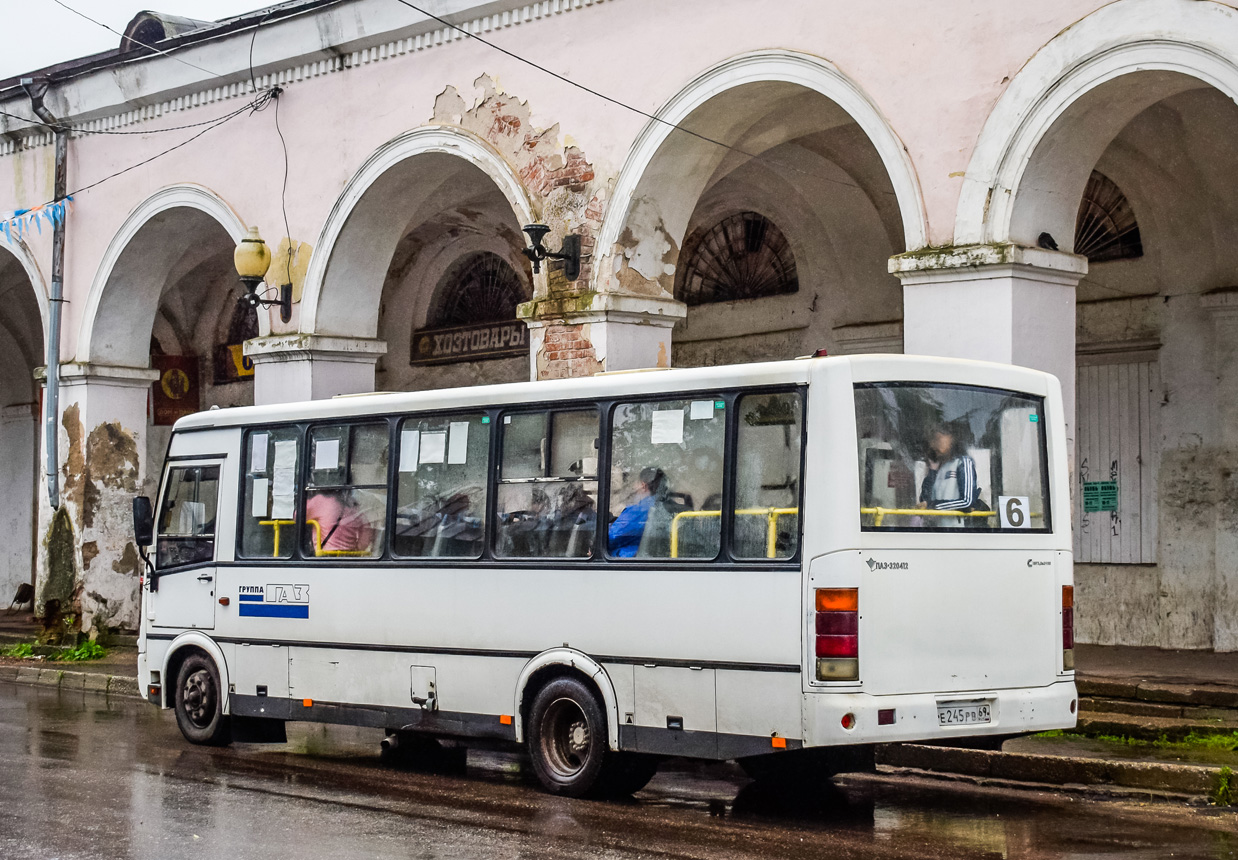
[83, 776]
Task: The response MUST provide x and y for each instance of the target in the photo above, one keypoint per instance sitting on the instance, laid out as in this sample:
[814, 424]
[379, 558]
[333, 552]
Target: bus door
[182, 592]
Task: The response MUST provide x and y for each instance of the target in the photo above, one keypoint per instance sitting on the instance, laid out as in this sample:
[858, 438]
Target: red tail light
[1068, 627]
[837, 625]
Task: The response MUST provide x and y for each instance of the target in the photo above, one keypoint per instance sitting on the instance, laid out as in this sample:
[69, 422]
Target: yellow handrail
[320, 552]
[771, 540]
[881, 513]
[276, 525]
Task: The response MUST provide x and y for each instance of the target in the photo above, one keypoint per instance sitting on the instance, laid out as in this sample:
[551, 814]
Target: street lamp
[252, 258]
[569, 253]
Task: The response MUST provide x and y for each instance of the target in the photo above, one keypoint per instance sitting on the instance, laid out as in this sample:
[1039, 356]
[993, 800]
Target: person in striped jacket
[951, 483]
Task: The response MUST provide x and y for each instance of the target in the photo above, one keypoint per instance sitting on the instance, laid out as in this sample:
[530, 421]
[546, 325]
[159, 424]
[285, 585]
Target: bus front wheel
[199, 703]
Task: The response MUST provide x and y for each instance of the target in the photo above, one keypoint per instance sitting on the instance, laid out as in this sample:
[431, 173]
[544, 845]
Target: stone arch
[1061, 111]
[344, 282]
[810, 73]
[124, 296]
[23, 333]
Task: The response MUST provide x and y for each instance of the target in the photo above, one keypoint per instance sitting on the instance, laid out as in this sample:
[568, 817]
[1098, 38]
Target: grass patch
[87, 650]
[1219, 742]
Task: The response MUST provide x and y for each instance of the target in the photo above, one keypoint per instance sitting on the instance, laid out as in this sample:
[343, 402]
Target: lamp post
[252, 258]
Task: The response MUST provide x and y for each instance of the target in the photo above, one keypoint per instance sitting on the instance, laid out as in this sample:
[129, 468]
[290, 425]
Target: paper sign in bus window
[458, 443]
[1014, 511]
[283, 485]
[667, 427]
[258, 452]
[702, 409]
[326, 454]
[433, 448]
[410, 450]
[261, 505]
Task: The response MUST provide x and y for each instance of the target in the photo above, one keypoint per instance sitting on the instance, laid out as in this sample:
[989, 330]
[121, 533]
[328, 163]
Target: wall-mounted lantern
[252, 259]
[569, 253]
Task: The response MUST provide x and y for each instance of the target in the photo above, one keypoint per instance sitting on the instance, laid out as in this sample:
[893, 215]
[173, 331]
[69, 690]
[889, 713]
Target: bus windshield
[935, 457]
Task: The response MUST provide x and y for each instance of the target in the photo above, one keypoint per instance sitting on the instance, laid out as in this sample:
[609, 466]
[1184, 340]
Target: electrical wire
[626, 106]
[78, 130]
[283, 194]
[257, 105]
[69, 8]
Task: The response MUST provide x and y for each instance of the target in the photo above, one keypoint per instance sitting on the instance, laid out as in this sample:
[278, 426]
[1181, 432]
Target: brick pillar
[587, 333]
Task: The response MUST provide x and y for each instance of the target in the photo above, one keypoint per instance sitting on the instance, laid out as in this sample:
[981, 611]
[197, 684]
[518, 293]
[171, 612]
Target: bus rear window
[940, 457]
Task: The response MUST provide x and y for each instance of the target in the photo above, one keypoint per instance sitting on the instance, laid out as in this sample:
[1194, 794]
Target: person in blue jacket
[627, 529]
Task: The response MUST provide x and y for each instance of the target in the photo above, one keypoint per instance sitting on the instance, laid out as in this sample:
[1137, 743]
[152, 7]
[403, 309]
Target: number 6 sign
[1013, 511]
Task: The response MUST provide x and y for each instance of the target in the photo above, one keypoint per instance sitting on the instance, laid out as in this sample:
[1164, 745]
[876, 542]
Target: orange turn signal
[778, 743]
[1068, 597]
[838, 599]
[505, 719]
[309, 703]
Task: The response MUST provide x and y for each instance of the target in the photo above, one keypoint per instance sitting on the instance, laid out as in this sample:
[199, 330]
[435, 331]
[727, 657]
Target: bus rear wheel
[199, 703]
[568, 744]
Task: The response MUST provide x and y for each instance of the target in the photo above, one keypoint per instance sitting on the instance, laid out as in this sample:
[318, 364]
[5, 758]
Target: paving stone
[96, 682]
[123, 686]
[8, 673]
[73, 681]
[49, 677]
[27, 674]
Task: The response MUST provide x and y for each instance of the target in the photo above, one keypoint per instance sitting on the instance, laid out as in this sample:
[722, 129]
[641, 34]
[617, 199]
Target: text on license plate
[964, 713]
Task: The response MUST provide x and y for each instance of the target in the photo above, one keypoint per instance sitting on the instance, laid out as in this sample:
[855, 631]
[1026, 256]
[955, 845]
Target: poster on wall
[232, 364]
[176, 391]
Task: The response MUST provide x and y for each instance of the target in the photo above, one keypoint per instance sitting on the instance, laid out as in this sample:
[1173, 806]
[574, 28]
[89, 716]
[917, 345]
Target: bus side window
[346, 495]
[547, 493]
[268, 518]
[767, 476]
[441, 486]
[666, 479]
[186, 533]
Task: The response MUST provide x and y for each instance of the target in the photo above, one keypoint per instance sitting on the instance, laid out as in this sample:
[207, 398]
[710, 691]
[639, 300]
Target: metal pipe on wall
[36, 90]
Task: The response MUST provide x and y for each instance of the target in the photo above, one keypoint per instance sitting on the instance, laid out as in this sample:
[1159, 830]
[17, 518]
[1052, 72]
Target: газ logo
[885, 565]
[281, 600]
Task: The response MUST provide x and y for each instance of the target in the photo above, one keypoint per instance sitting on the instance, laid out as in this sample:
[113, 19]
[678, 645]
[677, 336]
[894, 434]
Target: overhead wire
[620, 103]
[73, 129]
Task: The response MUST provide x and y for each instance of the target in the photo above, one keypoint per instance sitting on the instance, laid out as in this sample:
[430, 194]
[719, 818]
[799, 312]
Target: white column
[293, 367]
[579, 335]
[1004, 303]
[86, 549]
[1223, 305]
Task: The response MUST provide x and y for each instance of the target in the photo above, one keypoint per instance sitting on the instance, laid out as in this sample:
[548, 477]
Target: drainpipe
[36, 92]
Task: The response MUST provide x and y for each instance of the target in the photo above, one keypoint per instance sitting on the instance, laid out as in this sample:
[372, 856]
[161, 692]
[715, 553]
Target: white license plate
[964, 713]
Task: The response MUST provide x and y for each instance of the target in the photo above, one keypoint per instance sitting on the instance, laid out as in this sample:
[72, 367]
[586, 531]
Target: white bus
[780, 563]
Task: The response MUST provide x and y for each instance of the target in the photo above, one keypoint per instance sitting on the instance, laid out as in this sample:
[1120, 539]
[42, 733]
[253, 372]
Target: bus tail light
[837, 634]
[1068, 627]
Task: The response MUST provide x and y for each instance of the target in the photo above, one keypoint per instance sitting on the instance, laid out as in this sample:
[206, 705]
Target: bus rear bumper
[919, 716]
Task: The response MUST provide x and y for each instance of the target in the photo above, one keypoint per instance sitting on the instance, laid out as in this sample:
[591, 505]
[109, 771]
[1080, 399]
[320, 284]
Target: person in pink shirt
[342, 525]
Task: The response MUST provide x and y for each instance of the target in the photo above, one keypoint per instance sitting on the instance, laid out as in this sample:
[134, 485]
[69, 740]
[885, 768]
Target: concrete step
[1189, 780]
[1151, 728]
[1194, 694]
[1095, 705]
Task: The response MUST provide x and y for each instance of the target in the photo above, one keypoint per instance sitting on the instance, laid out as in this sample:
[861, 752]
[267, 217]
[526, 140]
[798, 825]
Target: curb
[1188, 779]
[112, 685]
[1198, 695]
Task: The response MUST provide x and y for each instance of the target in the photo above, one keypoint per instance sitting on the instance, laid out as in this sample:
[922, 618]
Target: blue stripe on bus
[257, 598]
[276, 610]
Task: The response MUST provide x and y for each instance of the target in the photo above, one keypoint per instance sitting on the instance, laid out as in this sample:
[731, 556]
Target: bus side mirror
[143, 522]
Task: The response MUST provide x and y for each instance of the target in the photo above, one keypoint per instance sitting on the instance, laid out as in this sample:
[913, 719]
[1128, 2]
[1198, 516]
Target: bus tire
[567, 738]
[199, 703]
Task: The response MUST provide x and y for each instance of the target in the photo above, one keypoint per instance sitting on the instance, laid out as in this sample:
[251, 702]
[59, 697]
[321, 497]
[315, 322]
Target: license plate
[964, 713]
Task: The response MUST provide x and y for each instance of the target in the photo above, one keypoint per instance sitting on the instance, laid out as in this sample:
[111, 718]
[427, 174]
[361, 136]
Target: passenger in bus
[950, 484]
[342, 524]
[627, 529]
